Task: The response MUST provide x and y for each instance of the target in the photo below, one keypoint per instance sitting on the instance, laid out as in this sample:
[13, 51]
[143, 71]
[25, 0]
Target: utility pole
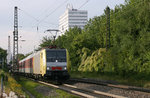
[2, 78]
[15, 40]
[1, 86]
[8, 51]
[108, 26]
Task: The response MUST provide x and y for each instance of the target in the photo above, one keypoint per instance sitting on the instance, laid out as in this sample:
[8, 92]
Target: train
[46, 64]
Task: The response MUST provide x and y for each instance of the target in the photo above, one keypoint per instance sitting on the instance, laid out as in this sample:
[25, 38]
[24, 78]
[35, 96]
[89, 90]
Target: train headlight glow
[65, 68]
[47, 68]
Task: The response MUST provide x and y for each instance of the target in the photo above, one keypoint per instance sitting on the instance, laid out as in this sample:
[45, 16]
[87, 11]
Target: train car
[47, 63]
[26, 65]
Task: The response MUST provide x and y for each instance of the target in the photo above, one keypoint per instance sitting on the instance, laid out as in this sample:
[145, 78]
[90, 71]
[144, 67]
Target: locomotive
[47, 64]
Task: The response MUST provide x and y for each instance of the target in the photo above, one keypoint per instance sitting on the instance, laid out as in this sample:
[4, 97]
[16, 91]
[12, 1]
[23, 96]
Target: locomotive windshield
[53, 55]
[61, 54]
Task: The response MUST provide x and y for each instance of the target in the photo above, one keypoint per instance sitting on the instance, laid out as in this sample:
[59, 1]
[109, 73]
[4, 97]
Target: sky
[41, 14]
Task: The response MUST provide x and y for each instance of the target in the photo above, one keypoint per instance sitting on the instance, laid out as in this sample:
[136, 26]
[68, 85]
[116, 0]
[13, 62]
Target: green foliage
[134, 80]
[3, 53]
[129, 53]
[21, 56]
[93, 63]
[63, 94]
[70, 41]
[30, 86]
[68, 62]
[131, 38]
[46, 42]
[10, 84]
[42, 91]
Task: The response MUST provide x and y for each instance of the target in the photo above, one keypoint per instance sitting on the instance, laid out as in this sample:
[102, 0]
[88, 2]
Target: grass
[31, 86]
[135, 80]
[63, 94]
[10, 84]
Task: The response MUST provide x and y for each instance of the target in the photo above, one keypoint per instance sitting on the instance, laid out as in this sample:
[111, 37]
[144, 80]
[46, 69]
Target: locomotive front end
[56, 64]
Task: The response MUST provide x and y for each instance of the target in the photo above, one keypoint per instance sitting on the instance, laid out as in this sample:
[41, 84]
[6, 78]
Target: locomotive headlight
[47, 68]
[65, 68]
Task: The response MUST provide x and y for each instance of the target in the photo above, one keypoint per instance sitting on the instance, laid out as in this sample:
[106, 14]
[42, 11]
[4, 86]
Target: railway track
[97, 90]
[109, 84]
[88, 93]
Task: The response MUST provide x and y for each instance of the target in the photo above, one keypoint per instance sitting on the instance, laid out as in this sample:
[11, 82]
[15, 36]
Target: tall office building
[71, 18]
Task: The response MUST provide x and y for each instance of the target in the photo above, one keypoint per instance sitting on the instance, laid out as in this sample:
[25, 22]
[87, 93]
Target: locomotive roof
[54, 49]
[33, 54]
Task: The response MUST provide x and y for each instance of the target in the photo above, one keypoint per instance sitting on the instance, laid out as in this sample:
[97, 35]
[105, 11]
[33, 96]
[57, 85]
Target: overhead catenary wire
[50, 6]
[47, 9]
[35, 19]
[52, 12]
[84, 4]
[28, 14]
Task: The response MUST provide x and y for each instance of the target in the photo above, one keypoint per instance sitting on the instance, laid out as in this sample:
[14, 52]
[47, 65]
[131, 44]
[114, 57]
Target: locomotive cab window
[53, 55]
[61, 56]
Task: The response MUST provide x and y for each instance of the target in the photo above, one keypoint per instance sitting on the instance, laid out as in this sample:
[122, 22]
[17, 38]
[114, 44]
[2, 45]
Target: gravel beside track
[125, 91]
[46, 91]
[82, 92]
[112, 90]
[109, 83]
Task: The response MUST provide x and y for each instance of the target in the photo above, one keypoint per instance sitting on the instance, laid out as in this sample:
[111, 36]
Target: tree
[21, 56]
[3, 54]
[46, 42]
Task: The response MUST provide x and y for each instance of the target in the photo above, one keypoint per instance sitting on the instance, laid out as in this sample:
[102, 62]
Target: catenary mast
[15, 40]
[8, 51]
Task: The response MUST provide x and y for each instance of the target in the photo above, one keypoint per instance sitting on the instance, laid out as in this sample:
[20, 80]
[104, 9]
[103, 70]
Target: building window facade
[71, 18]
